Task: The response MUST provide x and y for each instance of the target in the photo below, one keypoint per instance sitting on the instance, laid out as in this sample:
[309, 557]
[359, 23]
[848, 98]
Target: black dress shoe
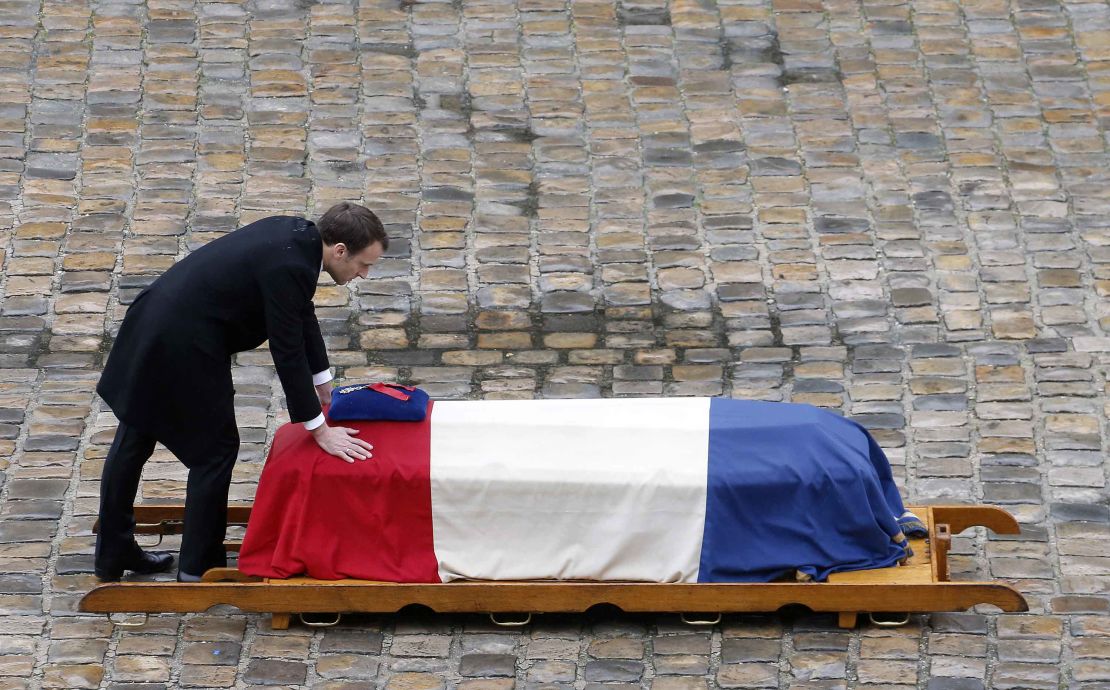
[142, 562]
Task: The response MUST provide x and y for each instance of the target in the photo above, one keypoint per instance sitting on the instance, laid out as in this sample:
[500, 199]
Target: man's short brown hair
[355, 226]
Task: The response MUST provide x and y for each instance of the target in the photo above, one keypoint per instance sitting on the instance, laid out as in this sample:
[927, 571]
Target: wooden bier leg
[847, 619]
[280, 621]
[942, 542]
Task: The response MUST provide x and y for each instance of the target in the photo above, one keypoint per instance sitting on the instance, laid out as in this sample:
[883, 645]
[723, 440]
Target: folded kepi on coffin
[642, 489]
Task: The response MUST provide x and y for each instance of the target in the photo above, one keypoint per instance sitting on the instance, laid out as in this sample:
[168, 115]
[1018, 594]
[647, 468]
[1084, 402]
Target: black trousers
[202, 539]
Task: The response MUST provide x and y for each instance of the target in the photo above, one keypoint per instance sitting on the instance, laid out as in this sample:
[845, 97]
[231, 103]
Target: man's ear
[339, 249]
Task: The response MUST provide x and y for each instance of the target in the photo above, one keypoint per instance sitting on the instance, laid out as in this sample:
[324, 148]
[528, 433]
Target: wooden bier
[922, 585]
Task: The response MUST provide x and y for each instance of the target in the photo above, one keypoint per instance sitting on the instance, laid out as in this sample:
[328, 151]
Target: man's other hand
[340, 441]
[323, 391]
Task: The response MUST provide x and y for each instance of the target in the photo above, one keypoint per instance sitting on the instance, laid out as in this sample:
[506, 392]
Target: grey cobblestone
[897, 211]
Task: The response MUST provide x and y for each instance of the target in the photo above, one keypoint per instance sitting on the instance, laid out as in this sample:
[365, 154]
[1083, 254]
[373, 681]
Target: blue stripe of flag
[792, 487]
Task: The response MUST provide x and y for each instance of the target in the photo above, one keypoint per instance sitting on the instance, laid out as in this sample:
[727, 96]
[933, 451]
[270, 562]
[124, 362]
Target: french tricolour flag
[649, 489]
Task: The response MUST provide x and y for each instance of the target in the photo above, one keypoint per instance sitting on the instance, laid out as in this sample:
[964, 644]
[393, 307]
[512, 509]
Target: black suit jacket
[169, 371]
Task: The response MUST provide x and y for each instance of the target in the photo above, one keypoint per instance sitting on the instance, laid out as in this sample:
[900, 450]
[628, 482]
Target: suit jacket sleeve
[314, 342]
[287, 298]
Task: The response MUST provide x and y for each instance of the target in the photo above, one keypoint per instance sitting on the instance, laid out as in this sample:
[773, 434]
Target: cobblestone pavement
[895, 210]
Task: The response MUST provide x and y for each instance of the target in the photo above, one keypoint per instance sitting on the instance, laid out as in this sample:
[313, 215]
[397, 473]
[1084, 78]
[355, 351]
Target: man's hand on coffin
[340, 441]
[323, 391]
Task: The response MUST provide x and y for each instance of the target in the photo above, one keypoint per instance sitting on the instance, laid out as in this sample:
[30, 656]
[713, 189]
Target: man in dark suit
[168, 377]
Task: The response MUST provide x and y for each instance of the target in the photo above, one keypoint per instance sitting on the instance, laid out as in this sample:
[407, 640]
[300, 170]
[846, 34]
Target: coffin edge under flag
[631, 489]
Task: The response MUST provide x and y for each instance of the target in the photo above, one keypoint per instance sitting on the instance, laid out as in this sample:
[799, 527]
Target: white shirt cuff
[314, 423]
[323, 377]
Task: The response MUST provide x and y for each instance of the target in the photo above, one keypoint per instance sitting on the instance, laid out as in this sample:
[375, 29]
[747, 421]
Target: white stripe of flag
[600, 489]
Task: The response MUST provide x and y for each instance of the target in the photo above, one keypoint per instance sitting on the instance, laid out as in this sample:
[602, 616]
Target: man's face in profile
[344, 266]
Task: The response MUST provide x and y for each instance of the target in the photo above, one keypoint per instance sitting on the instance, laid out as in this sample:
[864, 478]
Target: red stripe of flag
[317, 515]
